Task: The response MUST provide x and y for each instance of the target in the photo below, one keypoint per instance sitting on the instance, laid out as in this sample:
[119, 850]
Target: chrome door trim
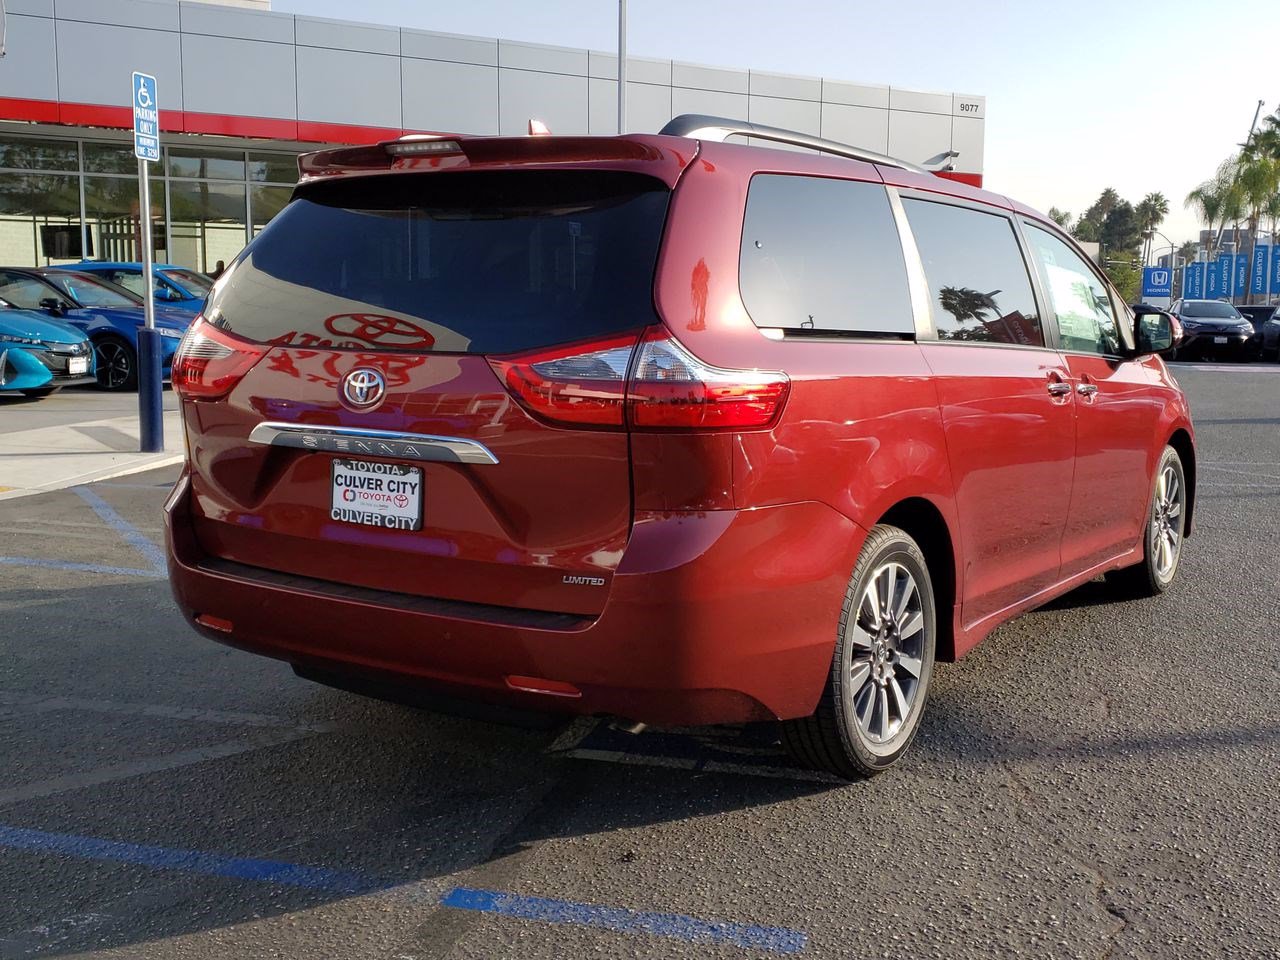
[373, 443]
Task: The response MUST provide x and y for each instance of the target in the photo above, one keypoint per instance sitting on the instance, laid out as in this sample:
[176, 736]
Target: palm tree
[1207, 201]
[1257, 182]
[1151, 213]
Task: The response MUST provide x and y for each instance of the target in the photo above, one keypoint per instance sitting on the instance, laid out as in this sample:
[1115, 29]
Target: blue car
[38, 355]
[175, 286]
[109, 314]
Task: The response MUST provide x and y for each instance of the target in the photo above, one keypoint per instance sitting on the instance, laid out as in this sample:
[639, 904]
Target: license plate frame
[368, 493]
[1220, 340]
[78, 366]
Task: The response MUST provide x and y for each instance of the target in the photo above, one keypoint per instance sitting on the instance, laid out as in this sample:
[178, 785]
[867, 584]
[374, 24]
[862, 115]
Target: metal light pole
[622, 66]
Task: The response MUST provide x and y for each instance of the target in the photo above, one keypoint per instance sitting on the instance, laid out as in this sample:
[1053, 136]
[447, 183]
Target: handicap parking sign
[1157, 282]
[146, 118]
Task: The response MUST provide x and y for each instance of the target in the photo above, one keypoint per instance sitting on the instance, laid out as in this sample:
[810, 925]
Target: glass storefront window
[115, 227]
[208, 222]
[266, 202]
[39, 218]
[23, 154]
[110, 158]
[273, 167]
[206, 163]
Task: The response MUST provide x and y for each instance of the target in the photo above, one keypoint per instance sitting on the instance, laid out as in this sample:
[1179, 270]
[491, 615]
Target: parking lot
[1096, 780]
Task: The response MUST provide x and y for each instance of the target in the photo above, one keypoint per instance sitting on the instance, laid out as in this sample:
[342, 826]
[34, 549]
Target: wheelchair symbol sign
[146, 118]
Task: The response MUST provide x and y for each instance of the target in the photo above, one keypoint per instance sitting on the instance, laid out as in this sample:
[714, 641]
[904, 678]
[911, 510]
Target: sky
[1081, 95]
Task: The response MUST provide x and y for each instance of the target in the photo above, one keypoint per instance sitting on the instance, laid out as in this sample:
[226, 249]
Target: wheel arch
[1181, 441]
[927, 525]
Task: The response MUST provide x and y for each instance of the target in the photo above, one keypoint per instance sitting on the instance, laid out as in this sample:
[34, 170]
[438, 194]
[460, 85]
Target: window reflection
[208, 222]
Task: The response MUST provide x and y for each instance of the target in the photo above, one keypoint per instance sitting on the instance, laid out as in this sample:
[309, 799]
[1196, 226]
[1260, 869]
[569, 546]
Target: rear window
[477, 262]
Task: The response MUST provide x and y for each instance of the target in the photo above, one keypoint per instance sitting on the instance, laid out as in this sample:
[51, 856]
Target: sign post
[146, 147]
[1157, 284]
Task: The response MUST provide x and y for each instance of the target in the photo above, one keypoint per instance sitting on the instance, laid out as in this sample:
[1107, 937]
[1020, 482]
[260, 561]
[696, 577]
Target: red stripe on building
[972, 179]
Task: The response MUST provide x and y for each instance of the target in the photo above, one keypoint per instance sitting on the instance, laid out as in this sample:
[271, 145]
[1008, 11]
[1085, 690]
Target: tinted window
[1210, 309]
[470, 262]
[978, 279]
[89, 291]
[23, 291]
[823, 254]
[1086, 320]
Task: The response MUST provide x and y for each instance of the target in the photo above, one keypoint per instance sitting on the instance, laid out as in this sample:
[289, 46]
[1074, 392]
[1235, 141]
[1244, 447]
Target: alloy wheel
[887, 657]
[1166, 522]
[115, 364]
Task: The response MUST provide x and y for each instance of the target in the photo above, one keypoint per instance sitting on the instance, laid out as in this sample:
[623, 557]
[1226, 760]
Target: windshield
[189, 282]
[1210, 309]
[89, 291]
[468, 263]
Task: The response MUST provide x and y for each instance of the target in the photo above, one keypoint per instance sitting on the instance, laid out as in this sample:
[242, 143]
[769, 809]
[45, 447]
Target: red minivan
[664, 428]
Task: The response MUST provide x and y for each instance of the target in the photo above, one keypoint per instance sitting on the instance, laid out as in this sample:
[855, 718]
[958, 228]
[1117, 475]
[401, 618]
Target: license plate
[386, 495]
[78, 365]
[1219, 339]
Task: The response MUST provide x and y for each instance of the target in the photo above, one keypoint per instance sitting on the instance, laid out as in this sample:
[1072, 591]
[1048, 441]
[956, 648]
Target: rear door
[398, 319]
[1117, 408]
[1006, 402]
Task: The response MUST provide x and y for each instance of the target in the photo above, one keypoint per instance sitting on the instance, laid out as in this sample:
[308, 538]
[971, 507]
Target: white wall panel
[29, 69]
[448, 46]
[784, 85]
[121, 13]
[243, 78]
[855, 94]
[558, 101]
[732, 105]
[449, 97]
[697, 77]
[966, 137]
[639, 69]
[36, 8]
[334, 86]
[648, 107]
[340, 35]
[918, 136]
[803, 116]
[866, 127]
[536, 56]
[86, 75]
[919, 102]
[235, 22]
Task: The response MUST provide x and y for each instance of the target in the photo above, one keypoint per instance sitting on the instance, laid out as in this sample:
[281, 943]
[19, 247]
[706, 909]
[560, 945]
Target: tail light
[209, 361]
[584, 384]
[668, 388]
[672, 389]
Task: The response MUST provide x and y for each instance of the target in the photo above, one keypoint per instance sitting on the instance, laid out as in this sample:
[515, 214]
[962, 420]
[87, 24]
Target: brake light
[584, 384]
[587, 384]
[209, 361]
[672, 389]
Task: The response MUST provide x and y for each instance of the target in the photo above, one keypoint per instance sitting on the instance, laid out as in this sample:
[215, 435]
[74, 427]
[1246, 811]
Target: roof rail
[702, 127]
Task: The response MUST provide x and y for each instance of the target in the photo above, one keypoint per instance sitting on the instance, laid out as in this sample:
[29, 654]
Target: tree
[1151, 213]
[1126, 273]
[1061, 217]
[1121, 232]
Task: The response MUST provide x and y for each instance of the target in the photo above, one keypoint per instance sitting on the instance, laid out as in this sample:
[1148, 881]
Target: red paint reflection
[380, 330]
[698, 283]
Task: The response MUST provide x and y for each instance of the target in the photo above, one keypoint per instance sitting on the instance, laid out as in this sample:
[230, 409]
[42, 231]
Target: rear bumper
[719, 617]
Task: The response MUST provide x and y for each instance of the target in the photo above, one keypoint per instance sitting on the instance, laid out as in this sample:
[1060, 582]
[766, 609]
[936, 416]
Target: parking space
[1098, 779]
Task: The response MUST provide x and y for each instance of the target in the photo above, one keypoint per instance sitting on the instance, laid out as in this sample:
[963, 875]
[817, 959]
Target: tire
[117, 363]
[41, 393]
[860, 727]
[1167, 524]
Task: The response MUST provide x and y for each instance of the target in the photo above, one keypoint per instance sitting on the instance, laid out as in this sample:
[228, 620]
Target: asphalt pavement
[1098, 779]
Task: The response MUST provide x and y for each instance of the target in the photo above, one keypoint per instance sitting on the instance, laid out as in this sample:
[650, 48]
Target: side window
[23, 292]
[130, 281]
[1086, 317]
[823, 254]
[979, 281]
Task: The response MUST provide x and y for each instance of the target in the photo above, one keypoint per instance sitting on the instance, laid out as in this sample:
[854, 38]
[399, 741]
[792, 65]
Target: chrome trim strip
[917, 281]
[373, 443]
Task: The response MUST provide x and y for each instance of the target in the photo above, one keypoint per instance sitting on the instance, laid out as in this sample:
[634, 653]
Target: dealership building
[243, 89]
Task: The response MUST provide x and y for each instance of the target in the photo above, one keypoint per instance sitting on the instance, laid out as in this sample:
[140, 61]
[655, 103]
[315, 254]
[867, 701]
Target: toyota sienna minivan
[666, 429]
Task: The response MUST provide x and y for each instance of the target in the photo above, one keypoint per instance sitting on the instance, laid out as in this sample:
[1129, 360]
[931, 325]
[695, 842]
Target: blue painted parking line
[191, 861]
[81, 567]
[623, 920]
[152, 553]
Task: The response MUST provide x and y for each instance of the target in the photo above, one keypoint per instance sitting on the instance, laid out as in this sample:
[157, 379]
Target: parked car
[664, 428]
[109, 314]
[1271, 337]
[1258, 315]
[39, 355]
[1212, 329]
[176, 287]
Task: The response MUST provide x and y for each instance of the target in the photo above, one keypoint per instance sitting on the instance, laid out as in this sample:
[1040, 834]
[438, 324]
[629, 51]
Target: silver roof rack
[701, 127]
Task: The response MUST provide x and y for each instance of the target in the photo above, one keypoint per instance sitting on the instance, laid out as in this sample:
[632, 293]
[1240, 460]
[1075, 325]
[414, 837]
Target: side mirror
[1153, 331]
[52, 304]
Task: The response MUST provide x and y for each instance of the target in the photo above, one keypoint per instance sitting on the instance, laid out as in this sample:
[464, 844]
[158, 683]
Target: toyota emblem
[363, 387]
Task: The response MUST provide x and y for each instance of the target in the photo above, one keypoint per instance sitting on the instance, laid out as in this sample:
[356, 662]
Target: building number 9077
[969, 108]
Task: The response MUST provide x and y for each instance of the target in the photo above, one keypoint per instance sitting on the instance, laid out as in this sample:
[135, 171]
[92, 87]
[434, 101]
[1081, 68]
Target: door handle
[1058, 389]
[1087, 390]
